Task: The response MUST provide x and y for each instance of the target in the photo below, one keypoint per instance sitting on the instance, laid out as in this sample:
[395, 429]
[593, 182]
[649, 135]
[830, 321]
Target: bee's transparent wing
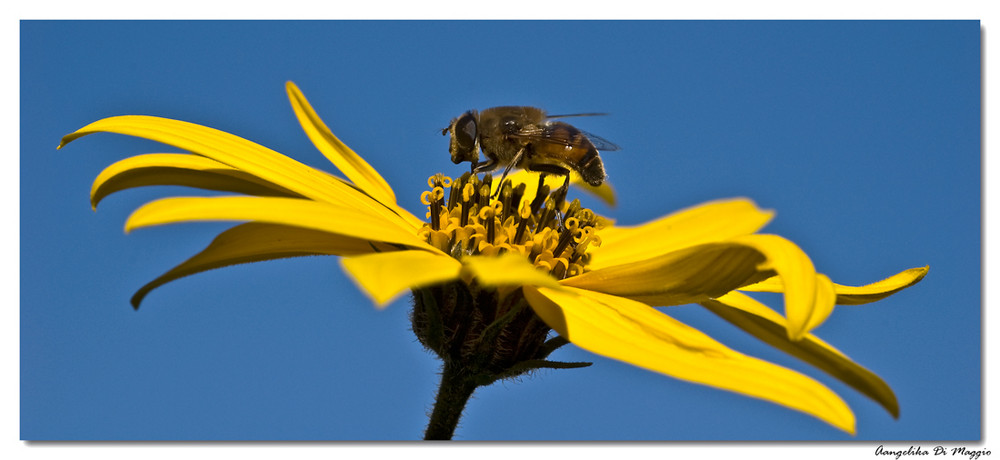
[564, 136]
[601, 143]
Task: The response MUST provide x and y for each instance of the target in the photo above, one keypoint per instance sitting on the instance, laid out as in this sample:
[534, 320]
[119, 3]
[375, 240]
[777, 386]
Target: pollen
[467, 217]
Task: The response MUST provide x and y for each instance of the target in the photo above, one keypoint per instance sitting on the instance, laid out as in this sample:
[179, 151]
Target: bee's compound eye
[463, 139]
[465, 131]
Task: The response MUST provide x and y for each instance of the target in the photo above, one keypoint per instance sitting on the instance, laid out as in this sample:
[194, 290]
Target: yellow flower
[495, 266]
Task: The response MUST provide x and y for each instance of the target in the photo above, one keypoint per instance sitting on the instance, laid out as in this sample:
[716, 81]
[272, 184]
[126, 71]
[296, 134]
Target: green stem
[455, 390]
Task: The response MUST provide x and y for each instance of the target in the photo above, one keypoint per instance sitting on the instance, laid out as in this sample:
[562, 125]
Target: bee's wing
[601, 143]
[564, 136]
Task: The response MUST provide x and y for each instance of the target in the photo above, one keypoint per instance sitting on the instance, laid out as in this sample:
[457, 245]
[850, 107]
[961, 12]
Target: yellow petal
[852, 295]
[223, 147]
[179, 169]
[351, 164]
[855, 295]
[635, 333]
[604, 191]
[826, 298]
[386, 275]
[799, 277]
[256, 242]
[770, 327]
[714, 221]
[245, 156]
[326, 217]
[689, 275]
[506, 270]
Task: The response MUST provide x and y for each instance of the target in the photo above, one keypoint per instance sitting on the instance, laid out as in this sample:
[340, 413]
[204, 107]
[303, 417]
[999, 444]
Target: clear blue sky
[863, 136]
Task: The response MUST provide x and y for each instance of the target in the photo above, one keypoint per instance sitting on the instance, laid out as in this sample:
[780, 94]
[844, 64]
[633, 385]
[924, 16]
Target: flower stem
[455, 390]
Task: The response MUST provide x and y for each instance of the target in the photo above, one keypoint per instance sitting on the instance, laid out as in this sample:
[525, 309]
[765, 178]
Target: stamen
[583, 234]
[540, 195]
[517, 194]
[560, 196]
[535, 253]
[506, 192]
[573, 208]
[553, 235]
[434, 198]
[484, 190]
[467, 192]
[564, 238]
[456, 189]
[521, 226]
[571, 223]
[548, 213]
[560, 268]
[486, 218]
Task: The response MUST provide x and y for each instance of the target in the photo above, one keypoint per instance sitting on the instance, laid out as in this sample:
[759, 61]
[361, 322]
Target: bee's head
[464, 145]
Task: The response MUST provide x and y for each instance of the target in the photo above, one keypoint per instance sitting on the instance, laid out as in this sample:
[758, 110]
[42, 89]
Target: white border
[508, 9]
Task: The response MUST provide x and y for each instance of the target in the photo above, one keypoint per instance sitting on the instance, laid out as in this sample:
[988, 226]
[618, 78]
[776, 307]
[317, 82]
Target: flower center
[468, 218]
[483, 333]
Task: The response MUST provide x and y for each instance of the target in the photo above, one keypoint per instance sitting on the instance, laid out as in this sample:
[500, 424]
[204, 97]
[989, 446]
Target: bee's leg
[563, 191]
[539, 197]
[556, 170]
[488, 166]
[541, 182]
[506, 170]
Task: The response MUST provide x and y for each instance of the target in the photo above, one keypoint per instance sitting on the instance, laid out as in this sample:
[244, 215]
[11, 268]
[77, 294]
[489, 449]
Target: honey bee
[527, 138]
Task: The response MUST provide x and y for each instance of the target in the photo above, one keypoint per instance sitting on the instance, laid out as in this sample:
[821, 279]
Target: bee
[527, 138]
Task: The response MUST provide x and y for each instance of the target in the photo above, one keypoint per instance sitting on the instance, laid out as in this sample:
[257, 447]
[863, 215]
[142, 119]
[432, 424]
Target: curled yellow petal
[826, 298]
[770, 327]
[799, 277]
[249, 157]
[326, 217]
[179, 169]
[714, 221]
[221, 146]
[346, 160]
[686, 276]
[256, 242]
[604, 191]
[710, 270]
[633, 332]
[386, 275]
[855, 295]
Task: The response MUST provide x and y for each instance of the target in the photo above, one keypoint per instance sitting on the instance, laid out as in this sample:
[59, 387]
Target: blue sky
[863, 136]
